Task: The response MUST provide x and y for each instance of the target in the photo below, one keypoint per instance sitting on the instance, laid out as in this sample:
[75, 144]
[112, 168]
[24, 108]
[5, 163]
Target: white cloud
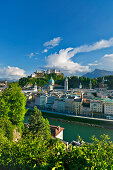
[104, 63]
[63, 59]
[12, 72]
[45, 51]
[31, 55]
[92, 64]
[52, 43]
[96, 46]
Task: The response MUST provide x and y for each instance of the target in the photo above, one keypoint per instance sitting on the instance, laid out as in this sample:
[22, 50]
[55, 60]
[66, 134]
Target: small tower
[66, 84]
[90, 85]
[80, 86]
[103, 82]
[35, 87]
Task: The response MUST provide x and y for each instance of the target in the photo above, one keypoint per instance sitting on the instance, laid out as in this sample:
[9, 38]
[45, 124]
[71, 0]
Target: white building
[59, 105]
[108, 107]
[40, 100]
[96, 106]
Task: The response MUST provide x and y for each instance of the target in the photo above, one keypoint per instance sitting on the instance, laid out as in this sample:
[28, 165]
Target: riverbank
[74, 126]
[79, 119]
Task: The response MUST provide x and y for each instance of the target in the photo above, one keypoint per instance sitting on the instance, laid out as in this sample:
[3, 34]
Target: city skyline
[73, 36]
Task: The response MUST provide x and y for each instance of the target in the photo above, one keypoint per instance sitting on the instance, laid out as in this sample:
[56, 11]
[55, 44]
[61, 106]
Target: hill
[98, 73]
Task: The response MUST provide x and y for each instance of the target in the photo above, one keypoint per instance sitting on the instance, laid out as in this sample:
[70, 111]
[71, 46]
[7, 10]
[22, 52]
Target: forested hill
[74, 81]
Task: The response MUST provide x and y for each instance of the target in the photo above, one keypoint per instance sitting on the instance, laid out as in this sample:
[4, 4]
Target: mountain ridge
[98, 73]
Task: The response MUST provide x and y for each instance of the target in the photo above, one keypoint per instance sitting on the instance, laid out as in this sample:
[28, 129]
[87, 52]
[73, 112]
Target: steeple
[35, 87]
[80, 86]
[66, 84]
[103, 82]
[90, 84]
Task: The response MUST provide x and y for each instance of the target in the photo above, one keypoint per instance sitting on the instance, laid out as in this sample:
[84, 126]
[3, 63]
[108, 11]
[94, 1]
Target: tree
[6, 128]
[13, 104]
[38, 125]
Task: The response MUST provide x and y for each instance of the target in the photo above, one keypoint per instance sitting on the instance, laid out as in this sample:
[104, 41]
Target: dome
[51, 81]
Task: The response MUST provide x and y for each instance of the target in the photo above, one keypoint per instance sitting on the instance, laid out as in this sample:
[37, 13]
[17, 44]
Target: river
[74, 129]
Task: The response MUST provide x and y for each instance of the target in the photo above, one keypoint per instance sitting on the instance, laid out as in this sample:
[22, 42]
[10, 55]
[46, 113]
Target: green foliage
[75, 81]
[34, 153]
[13, 104]
[6, 128]
[40, 81]
[38, 125]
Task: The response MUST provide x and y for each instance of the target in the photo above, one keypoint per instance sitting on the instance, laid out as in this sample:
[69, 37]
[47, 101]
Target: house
[56, 131]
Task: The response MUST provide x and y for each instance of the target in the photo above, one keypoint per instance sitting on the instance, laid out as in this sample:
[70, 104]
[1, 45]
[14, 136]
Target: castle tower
[66, 84]
[90, 85]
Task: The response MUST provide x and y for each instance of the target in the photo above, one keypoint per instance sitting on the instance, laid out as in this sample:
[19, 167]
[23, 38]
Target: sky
[75, 36]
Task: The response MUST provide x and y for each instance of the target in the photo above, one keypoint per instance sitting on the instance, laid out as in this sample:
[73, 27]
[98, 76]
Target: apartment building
[96, 105]
[108, 107]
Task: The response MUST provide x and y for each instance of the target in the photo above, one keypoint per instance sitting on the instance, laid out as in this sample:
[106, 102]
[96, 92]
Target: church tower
[35, 87]
[90, 85]
[66, 84]
[80, 86]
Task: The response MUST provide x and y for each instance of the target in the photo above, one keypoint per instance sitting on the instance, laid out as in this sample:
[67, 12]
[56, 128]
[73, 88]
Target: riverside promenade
[74, 116]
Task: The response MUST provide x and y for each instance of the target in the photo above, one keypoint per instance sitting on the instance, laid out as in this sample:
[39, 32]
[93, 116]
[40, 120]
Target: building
[51, 81]
[49, 87]
[66, 84]
[73, 106]
[59, 105]
[80, 86]
[41, 100]
[56, 131]
[108, 107]
[90, 84]
[57, 72]
[96, 105]
[38, 74]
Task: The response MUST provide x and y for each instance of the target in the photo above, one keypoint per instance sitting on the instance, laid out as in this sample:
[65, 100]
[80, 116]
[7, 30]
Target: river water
[74, 129]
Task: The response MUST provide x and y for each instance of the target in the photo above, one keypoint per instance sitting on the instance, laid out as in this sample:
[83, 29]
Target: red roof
[55, 130]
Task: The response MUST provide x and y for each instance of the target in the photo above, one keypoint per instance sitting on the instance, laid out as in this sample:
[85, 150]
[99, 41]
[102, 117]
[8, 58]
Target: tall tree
[38, 125]
[13, 104]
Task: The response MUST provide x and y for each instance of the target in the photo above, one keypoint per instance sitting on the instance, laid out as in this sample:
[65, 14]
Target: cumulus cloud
[12, 72]
[52, 43]
[63, 59]
[106, 62]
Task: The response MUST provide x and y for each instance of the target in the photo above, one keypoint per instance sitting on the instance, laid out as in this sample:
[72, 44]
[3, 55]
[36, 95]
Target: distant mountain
[9, 80]
[98, 73]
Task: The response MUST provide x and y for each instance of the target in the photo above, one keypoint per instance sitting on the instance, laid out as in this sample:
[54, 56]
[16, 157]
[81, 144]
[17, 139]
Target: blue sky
[72, 35]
